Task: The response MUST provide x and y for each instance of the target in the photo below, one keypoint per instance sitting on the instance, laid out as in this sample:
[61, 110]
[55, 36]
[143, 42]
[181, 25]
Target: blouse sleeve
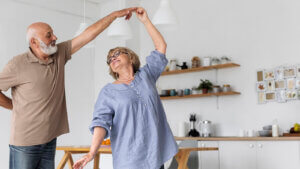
[103, 113]
[155, 64]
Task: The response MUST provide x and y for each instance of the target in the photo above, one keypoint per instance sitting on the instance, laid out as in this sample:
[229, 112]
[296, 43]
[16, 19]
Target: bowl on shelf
[265, 133]
[267, 127]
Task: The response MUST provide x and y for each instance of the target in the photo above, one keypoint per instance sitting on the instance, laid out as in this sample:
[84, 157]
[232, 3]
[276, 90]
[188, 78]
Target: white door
[237, 154]
[208, 159]
[278, 155]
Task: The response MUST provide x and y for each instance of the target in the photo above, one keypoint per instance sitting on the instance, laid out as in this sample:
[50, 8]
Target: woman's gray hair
[132, 56]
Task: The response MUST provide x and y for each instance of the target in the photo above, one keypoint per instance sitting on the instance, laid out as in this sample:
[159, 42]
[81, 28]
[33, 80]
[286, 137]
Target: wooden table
[181, 157]
[69, 150]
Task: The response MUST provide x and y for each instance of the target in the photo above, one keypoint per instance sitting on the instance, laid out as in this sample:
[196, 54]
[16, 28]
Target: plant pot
[204, 91]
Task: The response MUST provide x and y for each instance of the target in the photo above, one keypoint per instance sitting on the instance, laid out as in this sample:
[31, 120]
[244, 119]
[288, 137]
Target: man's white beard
[48, 50]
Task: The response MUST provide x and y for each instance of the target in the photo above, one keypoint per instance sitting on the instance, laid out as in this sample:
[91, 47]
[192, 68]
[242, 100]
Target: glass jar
[226, 88]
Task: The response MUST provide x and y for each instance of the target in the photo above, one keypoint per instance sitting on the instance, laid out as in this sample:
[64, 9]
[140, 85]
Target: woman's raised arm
[157, 38]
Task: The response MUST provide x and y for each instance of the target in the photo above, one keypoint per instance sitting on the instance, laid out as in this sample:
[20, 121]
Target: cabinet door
[208, 159]
[237, 154]
[278, 155]
[106, 161]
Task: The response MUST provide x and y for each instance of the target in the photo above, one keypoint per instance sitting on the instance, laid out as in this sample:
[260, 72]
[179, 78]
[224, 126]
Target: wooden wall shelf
[198, 69]
[199, 95]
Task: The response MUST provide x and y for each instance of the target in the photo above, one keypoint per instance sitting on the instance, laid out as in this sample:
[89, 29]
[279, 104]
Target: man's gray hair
[30, 34]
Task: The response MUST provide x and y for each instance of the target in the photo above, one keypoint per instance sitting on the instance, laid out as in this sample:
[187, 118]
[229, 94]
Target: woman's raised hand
[142, 14]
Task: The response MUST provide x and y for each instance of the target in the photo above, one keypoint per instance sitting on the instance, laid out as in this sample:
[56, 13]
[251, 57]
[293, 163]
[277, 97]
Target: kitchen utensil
[275, 130]
[206, 128]
[196, 62]
[216, 89]
[182, 132]
[226, 88]
[225, 59]
[207, 61]
[187, 91]
[180, 92]
[267, 127]
[183, 66]
[193, 132]
[165, 92]
[173, 63]
[265, 133]
[215, 61]
[173, 92]
[251, 133]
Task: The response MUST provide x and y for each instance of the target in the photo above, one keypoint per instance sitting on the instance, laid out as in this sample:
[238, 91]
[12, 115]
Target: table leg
[96, 161]
[70, 161]
[63, 161]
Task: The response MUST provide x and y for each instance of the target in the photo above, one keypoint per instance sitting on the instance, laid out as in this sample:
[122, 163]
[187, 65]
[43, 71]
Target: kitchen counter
[235, 138]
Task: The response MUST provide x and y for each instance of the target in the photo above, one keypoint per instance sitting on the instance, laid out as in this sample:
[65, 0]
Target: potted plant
[205, 86]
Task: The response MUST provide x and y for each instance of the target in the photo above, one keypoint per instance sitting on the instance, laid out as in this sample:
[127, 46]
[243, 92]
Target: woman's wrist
[147, 22]
[91, 155]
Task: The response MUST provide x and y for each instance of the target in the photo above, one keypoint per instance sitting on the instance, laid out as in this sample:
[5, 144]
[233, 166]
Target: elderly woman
[129, 110]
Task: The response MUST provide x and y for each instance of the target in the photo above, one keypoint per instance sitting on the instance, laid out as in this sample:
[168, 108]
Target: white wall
[256, 34]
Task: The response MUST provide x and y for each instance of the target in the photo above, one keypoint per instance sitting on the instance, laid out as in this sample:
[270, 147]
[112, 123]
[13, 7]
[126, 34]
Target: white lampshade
[165, 16]
[119, 30]
[82, 27]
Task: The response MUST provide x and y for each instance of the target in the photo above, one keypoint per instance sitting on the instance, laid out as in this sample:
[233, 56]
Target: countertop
[235, 138]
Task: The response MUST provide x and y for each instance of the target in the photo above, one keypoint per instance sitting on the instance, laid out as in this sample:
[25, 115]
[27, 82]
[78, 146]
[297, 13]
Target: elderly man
[38, 92]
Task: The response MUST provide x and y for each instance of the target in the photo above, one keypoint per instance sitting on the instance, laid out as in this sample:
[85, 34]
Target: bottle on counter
[275, 128]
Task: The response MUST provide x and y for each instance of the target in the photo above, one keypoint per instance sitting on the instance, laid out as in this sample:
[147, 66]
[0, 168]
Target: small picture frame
[290, 72]
[261, 98]
[280, 96]
[279, 73]
[291, 94]
[260, 75]
[270, 85]
[269, 75]
[290, 83]
[297, 83]
[270, 96]
[298, 71]
[298, 93]
[261, 86]
[280, 84]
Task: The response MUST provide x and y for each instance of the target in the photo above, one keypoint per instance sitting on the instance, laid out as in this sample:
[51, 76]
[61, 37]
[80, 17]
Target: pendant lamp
[165, 16]
[82, 27]
[120, 28]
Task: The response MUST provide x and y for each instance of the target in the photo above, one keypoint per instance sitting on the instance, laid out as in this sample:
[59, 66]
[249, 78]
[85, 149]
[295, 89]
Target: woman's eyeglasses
[115, 55]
